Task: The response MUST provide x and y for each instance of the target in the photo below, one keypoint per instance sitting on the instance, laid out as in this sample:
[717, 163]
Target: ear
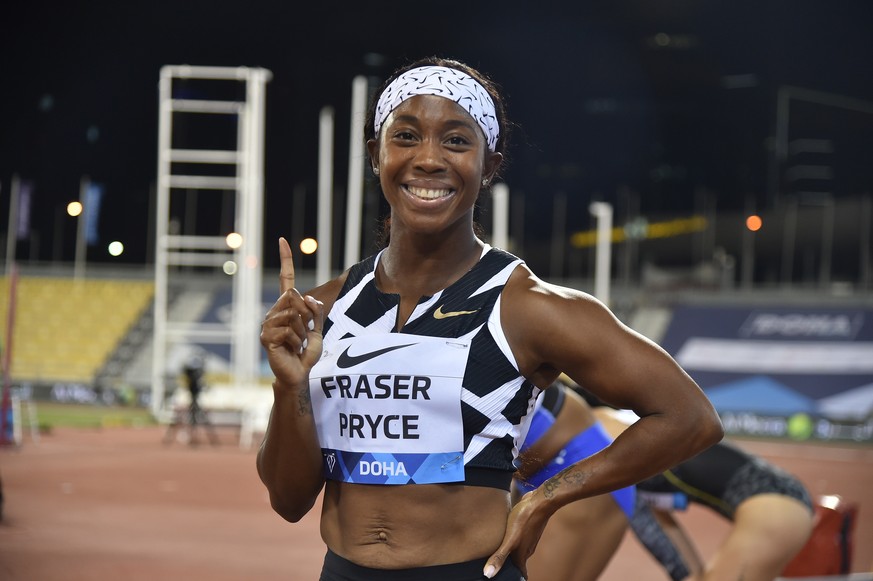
[373, 152]
[493, 160]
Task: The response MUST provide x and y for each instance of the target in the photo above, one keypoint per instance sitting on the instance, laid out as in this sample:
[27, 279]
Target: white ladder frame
[180, 250]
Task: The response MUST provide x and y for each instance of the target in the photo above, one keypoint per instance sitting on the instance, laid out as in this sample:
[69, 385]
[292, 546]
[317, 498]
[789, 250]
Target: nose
[429, 156]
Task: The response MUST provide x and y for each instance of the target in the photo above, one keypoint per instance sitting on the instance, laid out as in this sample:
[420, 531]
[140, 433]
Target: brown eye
[404, 136]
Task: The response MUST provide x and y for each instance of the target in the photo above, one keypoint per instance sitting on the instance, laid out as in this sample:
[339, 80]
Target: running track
[114, 504]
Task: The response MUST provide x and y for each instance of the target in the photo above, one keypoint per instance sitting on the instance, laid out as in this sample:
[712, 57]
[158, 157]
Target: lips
[428, 193]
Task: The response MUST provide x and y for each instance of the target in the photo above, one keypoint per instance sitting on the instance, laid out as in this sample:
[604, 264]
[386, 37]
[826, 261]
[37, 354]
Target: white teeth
[428, 194]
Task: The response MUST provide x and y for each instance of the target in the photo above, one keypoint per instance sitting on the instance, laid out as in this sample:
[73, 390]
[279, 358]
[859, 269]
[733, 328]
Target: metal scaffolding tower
[188, 105]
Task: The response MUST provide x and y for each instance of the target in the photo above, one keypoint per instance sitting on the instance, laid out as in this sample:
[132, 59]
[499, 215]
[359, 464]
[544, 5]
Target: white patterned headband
[443, 82]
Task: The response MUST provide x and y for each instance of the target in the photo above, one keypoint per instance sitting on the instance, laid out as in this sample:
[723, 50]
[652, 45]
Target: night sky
[601, 101]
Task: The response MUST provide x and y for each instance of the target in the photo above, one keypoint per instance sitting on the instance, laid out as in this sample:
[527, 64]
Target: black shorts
[723, 476]
[338, 569]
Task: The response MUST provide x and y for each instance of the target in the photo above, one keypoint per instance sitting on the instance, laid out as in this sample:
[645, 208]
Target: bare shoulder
[539, 307]
[540, 317]
[328, 292]
[553, 329]
[525, 289]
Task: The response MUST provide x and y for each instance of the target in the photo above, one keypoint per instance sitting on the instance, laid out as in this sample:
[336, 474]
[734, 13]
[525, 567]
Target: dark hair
[489, 85]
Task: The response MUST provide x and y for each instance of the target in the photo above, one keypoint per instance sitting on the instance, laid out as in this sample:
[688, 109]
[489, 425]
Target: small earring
[375, 171]
[484, 182]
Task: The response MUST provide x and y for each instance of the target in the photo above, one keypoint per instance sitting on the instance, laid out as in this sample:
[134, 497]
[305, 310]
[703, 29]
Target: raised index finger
[286, 268]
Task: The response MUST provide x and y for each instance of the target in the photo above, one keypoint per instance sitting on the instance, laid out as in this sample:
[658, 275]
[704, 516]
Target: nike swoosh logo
[439, 314]
[345, 360]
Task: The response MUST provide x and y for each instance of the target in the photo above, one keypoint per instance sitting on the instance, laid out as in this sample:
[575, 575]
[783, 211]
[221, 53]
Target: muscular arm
[289, 460]
[556, 329]
[552, 330]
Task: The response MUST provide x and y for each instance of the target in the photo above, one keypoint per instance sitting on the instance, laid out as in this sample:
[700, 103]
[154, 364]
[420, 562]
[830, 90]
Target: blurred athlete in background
[771, 511]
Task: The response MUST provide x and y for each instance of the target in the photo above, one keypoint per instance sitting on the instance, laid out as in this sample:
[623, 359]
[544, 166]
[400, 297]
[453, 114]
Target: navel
[378, 532]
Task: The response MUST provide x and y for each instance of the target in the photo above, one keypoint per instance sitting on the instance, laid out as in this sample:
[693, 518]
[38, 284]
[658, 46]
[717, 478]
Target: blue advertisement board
[800, 372]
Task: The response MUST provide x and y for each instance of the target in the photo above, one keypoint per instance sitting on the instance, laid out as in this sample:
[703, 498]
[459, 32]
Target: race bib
[389, 409]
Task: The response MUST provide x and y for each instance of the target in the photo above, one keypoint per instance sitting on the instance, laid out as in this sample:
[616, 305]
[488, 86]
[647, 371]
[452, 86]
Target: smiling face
[432, 157]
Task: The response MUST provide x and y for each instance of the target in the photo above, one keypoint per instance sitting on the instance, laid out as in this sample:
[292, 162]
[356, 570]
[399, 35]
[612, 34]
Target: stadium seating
[66, 329]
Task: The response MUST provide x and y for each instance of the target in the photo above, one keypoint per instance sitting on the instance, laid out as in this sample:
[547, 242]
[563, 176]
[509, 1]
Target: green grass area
[50, 415]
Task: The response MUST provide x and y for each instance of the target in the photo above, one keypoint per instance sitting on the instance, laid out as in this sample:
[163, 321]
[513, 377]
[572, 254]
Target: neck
[413, 266]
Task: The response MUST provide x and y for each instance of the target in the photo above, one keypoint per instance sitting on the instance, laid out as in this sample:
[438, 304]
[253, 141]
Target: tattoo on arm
[304, 403]
[550, 486]
[570, 476]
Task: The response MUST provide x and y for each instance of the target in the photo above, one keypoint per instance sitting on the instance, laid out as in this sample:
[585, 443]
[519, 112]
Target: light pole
[325, 194]
[603, 212]
[79, 261]
[11, 231]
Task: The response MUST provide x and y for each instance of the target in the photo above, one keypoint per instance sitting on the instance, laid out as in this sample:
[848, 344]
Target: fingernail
[305, 343]
[489, 571]
[311, 325]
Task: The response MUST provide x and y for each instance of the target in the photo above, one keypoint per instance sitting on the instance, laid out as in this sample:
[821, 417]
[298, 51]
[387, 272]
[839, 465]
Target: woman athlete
[402, 386]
